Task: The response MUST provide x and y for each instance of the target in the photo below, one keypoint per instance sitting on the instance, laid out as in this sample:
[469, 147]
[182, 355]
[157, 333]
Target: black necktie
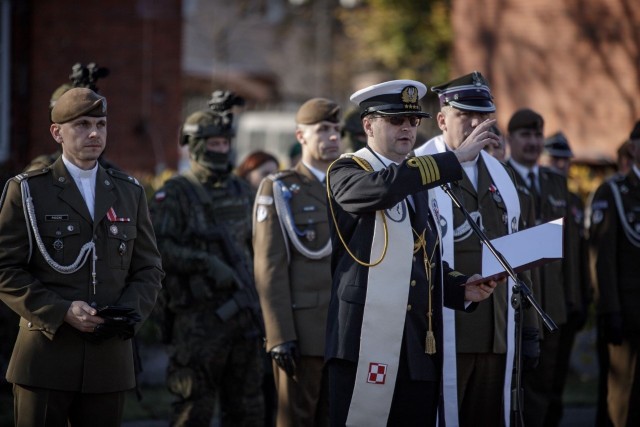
[534, 192]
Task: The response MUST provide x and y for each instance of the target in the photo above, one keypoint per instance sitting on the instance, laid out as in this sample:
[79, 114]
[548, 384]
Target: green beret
[318, 110]
[78, 102]
[525, 119]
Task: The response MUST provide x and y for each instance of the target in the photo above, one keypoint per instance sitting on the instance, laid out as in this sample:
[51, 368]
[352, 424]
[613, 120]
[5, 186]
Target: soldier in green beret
[563, 295]
[292, 266]
[79, 265]
[81, 76]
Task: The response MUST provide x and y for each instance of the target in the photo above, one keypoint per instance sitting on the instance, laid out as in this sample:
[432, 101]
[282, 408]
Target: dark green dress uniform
[481, 339]
[614, 249]
[203, 226]
[293, 279]
[48, 352]
[561, 297]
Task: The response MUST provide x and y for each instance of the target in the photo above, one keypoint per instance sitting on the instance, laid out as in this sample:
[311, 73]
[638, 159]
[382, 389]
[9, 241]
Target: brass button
[413, 283]
[409, 307]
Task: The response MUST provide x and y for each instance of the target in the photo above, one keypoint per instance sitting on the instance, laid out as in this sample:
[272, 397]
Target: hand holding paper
[524, 250]
[479, 289]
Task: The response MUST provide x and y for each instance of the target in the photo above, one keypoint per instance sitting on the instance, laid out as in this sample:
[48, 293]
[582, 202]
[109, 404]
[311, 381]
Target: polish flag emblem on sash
[377, 373]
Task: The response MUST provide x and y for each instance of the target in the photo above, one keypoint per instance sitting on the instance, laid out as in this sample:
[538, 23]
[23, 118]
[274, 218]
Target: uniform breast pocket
[312, 227]
[120, 242]
[61, 240]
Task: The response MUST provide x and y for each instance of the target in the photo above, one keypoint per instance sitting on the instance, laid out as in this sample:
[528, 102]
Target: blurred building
[138, 41]
[575, 62]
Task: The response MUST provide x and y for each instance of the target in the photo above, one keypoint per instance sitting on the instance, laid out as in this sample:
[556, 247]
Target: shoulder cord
[30, 217]
[281, 196]
[632, 235]
[253, 215]
[368, 168]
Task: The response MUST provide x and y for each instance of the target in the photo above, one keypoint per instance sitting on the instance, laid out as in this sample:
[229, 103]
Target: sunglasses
[399, 120]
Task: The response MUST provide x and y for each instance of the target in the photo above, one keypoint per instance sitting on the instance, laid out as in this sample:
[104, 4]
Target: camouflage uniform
[209, 357]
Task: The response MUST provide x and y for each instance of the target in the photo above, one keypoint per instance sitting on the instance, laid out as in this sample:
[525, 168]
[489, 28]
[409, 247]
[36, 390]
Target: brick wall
[576, 62]
[140, 42]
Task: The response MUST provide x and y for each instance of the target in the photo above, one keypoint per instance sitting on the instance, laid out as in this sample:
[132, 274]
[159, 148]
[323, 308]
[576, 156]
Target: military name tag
[56, 217]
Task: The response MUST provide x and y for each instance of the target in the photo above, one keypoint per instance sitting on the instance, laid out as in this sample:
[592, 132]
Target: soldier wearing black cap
[385, 348]
[484, 347]
[563, 290]
[212, 321]
[614, 249]
[291, 262]
[77, 243]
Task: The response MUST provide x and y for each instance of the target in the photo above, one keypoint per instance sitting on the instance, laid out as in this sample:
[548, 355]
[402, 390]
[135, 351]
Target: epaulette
[30, 174]
[123, 176]
[361, 162]
[276, 176]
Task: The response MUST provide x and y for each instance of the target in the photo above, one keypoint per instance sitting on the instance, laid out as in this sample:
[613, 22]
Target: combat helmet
[217, 121]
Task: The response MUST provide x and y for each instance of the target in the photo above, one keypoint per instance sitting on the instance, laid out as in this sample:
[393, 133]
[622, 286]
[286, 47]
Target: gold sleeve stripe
[428, 168]
[415, 163]
[433, 167]
[455, 274]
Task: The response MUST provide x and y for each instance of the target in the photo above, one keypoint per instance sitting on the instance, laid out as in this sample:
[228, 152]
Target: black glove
[222, 274]
[530, 348]
[611, 324]
[286, 355]
[118, 322]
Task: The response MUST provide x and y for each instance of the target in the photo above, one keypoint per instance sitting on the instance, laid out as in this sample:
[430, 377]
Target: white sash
[384, 315]
[443, 202]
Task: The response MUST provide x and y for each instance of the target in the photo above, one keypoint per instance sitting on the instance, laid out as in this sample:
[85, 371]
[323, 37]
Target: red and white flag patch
[377, 373]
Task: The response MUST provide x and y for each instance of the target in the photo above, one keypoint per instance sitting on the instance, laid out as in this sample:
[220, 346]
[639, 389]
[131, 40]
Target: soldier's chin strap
[87, 248]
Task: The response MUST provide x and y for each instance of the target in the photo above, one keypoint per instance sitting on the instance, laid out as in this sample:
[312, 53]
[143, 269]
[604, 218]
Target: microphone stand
[520, 290]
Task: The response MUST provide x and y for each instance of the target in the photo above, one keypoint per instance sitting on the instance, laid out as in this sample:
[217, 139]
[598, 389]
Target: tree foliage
[408, 38]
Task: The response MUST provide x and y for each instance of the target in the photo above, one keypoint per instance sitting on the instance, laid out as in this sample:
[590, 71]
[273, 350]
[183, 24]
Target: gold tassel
[430, 343]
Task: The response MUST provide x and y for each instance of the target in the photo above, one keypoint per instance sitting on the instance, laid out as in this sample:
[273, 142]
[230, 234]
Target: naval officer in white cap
[384, 348]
